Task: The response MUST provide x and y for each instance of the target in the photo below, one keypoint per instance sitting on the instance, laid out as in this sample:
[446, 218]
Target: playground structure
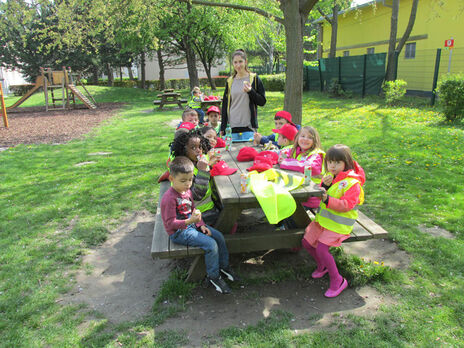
[3, 109]
[53, 81]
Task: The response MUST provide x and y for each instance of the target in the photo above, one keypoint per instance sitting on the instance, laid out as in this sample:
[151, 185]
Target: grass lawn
[52, 210]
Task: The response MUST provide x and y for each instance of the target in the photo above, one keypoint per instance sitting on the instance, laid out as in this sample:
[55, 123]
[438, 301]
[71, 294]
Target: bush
[273, 82]
[394, 90]
[451, 95]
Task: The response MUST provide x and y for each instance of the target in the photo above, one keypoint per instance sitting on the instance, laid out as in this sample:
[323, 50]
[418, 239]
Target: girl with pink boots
[336, 215]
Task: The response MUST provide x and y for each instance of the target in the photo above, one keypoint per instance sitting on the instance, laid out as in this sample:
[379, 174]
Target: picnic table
[255, 239]
[169, 97]
[205, 104]
[234, 202]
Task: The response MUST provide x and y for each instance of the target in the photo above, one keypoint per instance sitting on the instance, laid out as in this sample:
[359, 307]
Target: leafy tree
[294, 14]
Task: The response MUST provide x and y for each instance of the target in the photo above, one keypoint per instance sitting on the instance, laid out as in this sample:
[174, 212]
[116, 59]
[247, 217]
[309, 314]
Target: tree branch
[407, 32]
[237, 7]
[325, 16]
[306, 6]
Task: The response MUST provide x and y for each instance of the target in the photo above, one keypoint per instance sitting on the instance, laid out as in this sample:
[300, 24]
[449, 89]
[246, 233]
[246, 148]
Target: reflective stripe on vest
[207, 202]
[339, 222]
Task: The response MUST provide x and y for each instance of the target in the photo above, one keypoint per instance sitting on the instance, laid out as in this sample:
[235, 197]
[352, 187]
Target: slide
[38, 84]
[82, 97]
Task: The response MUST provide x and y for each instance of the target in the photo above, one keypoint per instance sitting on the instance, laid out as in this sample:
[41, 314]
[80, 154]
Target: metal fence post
[363, 93]
[435, 76]
[320, 75]
[340, 70]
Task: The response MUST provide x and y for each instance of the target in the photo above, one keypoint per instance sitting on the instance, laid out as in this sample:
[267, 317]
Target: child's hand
[205, 230]
[202, 163]
[196, 216]
[327, 179]
[214, 157]
[324, 194]
[257, 138]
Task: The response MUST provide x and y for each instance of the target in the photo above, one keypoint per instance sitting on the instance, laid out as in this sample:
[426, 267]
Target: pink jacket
[297, 165]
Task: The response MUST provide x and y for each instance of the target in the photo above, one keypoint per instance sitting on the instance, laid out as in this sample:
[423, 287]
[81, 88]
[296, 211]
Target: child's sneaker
[229, 274]
[220, 285]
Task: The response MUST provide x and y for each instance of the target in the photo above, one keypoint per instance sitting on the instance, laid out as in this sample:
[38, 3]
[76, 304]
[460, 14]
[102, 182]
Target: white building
[10, 77]
[175, 72]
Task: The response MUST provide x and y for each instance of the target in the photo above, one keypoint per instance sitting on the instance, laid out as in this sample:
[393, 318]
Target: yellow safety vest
[336, 221]
[271, 189]
[207, 202]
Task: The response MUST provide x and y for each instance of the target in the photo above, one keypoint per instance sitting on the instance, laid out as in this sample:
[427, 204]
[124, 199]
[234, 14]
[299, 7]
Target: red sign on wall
[449, 43]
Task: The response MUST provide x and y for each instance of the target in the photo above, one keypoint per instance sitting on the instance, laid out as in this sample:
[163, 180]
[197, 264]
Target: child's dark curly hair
[180, 143]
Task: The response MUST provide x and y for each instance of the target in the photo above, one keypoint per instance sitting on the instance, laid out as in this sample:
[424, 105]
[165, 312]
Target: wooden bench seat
[163, 248]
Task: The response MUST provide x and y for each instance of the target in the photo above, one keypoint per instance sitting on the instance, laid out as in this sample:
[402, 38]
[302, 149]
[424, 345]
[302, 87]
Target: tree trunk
[142, 68]
[162, 81]
[210, 79]
[109, 73]
[407, 32]
[95, 75]
[333, 38]
[391, 62]
[120, 73]
[293, 23]
[131, 75]
[191, 64]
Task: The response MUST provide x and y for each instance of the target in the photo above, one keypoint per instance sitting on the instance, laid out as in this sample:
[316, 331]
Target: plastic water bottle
[228, 137]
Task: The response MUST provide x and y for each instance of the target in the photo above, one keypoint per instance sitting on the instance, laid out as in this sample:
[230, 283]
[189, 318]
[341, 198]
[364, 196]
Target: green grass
[51, 211]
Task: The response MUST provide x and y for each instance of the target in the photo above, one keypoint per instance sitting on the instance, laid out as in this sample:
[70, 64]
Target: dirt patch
[437, 232]
[33, 125]
[119, 279]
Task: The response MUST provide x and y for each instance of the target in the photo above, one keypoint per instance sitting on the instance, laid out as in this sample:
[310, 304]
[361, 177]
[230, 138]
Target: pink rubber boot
[320, 270]
[337, 282]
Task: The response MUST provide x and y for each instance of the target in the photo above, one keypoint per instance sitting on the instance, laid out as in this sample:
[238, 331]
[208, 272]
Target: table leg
[197, 270]
[227, 218]
[300, 216]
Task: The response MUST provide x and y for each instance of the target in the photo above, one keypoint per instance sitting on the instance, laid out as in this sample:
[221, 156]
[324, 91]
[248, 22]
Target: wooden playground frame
[51, 81]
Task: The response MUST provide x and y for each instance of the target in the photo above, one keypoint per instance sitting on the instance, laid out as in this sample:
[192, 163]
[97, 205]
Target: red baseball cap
[221, 168]
[186, 125]
[289, 131]
[246, 154]
[285, 115]
[220, 143]
[261, 164]
[213, 108]
[270, 155]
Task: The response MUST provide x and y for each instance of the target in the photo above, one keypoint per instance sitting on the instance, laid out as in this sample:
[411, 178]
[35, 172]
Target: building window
[346, 53]
[410, 51]
[370, 50]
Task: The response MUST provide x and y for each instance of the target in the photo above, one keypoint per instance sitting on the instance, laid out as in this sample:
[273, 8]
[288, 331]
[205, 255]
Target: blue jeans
[216, 253]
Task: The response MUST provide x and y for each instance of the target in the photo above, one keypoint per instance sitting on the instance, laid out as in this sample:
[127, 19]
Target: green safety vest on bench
[271, 190]
[207, 202]
[339, 222]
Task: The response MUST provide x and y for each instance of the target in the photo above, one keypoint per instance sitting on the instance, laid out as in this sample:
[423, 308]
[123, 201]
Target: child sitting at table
[195, 103]
[306, 151]
[286, 136]
[185, 226]
[195, 147]
[189, 115]
[336, 215]
[214, 114]
[280, 118]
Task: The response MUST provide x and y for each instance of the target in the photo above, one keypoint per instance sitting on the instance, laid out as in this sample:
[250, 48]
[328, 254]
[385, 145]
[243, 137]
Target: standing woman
[244, 92]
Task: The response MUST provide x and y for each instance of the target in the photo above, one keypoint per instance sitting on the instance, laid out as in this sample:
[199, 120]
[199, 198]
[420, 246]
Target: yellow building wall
[369, 27]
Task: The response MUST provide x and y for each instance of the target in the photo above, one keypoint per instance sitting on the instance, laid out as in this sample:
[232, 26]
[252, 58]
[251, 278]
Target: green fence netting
[359, 74]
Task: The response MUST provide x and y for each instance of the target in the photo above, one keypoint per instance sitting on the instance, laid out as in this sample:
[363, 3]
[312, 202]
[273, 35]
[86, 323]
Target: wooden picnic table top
[228, 189]
[169, 94]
